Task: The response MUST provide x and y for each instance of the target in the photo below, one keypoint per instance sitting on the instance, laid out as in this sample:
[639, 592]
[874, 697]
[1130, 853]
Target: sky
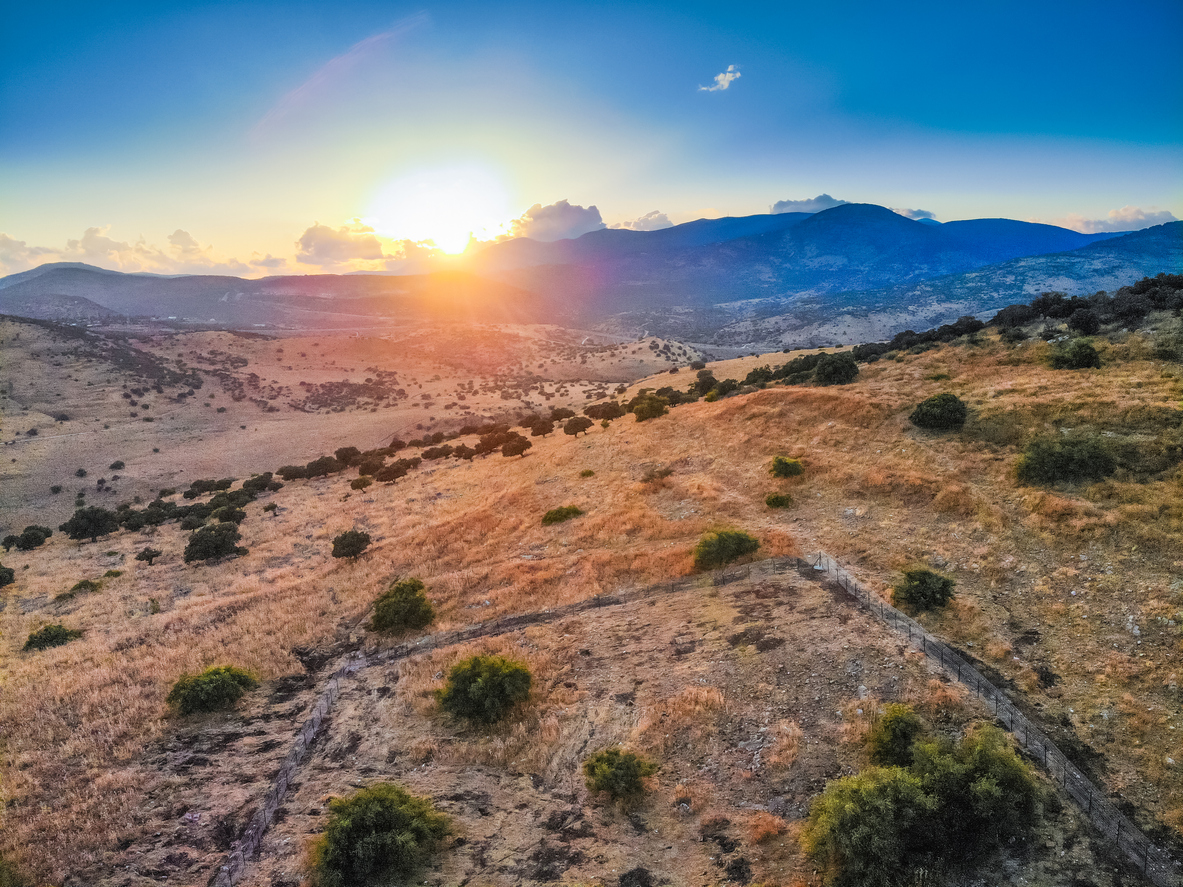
[257, 138]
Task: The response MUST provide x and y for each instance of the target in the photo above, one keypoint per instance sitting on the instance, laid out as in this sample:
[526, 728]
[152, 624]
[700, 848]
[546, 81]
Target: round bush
[51, 636]
[212, 542]
[836, 369]
[402, 607]
[784, 467]
[485, 688]
[1051, 460]
[891, 738]
[558, 515]
[922, 589]
[620, 774]
[351, 543]
[360, 483]
[214, 689]
[7, 575]
[1078, 354]
[940, 412]
[778, 500]
[722, 547]
[378, 835]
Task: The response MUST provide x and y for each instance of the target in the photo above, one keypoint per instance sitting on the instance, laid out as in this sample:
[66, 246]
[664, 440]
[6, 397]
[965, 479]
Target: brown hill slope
[1070, 594]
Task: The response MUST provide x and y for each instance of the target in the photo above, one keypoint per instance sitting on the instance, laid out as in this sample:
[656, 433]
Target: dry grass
[879, 494]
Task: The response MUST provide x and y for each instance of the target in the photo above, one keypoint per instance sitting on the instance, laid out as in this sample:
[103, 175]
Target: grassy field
[1071, 595]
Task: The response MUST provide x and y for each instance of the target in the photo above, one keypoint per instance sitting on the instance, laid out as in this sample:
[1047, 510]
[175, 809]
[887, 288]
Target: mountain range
[843, 273]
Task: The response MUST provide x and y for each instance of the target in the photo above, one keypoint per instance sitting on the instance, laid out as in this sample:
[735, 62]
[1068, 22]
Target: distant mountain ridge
[695, 279]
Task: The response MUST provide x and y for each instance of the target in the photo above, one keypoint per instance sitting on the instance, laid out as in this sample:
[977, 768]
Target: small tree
[351, 543]
[485, 688]
[377, 835]
[515, 446]
[940, 412]
[51, 636]
[649, 406]
[149, 555]
[892, 736]
[922, 589]
[90, 523]
[212, 542]
[542, 428]
[836, 369]
[216, 688]
[783, 467]
[577, 425]
[1084, 321]
[402, 607]
[7, 575]
[360, 483]
[619, 774]
[721, 547]
[32, 537]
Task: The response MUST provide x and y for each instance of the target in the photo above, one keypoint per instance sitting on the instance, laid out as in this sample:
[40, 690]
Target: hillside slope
[1069, 595]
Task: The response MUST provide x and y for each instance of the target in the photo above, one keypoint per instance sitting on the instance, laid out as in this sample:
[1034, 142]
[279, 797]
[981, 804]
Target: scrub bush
[402, 607]
[922, 589]
[721, 547]
[558, 515]
[216, 688]
[782, 467]
[51, 636]
[485, 688]
[618, 773]
[940, 412]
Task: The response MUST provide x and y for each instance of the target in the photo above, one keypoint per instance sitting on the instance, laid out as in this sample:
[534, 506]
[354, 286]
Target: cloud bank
[724, 80]
[913, 213]
[810, 205]
[327, 247]
[183, 255]
[1128, 218]
[653, 221]
[558, 221]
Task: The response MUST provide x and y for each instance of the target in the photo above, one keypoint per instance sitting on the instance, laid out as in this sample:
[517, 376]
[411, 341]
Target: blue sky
[263, 137]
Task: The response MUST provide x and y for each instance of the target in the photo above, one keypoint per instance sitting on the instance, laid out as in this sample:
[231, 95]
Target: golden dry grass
[877, 493]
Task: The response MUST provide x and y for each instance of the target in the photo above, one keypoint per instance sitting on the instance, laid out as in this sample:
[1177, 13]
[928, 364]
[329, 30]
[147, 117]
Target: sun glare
[444, 206]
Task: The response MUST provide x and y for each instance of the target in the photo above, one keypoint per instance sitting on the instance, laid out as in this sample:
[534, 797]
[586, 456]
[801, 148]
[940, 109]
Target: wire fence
[1154, 862]
[1151, 860]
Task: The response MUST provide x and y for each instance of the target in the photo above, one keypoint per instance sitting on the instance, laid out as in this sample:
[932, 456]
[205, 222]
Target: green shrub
[1079, 354]
[378, 835]
[112, 574]
[7, 575]
[213, 542]
[360, 483]
[648, 406]
[351, 543]
[784, 467]
[1051, 460]
[890, 739]
[587, 472]
[940, 412]
[836, 369]
[558, 515]
[31, 537]
[778, 500]
[620, 774]
[721, 547]
[51, 636]
[85, 585]
[216, 688]
[485, 688]
[922, 589]
[402, 607]
[953, 806]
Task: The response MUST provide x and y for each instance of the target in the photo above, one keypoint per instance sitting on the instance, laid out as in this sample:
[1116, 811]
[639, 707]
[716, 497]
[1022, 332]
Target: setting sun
[445, 206]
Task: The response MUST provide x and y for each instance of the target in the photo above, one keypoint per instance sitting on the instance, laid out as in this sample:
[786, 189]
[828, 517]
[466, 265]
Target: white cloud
[913, 213]
[724, 80]
[809, 205]
[325, 246]
[268, 261]
[558, 221]
[1128, 218]
[653, 221]
[95, 247]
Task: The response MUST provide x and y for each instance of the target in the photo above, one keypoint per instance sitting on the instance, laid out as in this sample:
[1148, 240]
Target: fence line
[1154, 862]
